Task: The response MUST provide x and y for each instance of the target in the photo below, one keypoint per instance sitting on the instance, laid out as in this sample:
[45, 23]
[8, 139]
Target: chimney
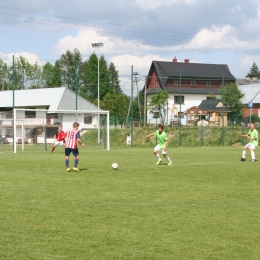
[187, 61]
[175, 60]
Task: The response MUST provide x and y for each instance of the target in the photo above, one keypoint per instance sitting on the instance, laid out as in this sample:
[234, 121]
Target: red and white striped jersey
[72, 137]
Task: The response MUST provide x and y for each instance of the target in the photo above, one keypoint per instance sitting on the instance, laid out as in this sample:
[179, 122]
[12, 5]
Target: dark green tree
[114, 78]
[232, 100]
[158, 105]
[110, 103]
[67, 68]
[138, 106]
[254, 71]
[50, 75]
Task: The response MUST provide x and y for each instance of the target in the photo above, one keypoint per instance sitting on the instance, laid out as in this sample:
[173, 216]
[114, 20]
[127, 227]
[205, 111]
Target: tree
[67, 68]
[136, 109]
[158, 105]
[254, 71]
[50, 75]
[90, 78]
[114, 78]
[5, 76]
[232, 100]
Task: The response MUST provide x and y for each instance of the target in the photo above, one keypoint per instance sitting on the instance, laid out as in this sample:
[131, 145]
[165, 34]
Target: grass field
[205, 206]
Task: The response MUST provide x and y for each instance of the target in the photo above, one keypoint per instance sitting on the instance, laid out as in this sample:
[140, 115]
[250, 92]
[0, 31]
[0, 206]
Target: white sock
[244, 154]
[168, 158]
[158, 157]
[253, 155]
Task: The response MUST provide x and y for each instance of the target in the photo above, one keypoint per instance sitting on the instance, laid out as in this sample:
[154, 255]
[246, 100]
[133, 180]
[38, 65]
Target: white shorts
[158, 148]
[250, 146]
[57, 143]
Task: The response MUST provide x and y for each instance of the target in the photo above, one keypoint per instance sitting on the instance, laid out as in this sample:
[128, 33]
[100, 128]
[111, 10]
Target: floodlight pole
[98, 45]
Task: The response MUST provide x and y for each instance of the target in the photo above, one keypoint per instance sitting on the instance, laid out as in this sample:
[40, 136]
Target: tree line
[71, 71]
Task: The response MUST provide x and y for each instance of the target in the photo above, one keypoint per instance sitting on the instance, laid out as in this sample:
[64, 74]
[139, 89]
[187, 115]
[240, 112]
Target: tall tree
[114, 78]
[90, 81]
[50, 75]
[232, 100]
[138, 106]
[67, 68]
[5, 76]
[158, 105]
[254, 71]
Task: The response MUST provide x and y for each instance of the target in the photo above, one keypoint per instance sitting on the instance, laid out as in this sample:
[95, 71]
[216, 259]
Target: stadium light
[98, 45]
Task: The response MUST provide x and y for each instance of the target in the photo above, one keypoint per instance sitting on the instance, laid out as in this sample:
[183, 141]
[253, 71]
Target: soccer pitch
[204, 206]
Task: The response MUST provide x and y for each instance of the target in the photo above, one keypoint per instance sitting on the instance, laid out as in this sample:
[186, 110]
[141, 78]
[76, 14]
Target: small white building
[35, 122]
[250, 87]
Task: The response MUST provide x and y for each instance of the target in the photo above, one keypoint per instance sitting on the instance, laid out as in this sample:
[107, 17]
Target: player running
[253, 136]
[59, 138]
[162, 144]
[72, 138]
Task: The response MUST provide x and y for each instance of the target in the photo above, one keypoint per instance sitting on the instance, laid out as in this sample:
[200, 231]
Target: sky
[134, 32]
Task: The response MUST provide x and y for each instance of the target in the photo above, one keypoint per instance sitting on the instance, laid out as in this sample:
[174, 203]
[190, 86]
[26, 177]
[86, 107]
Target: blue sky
[134, 32]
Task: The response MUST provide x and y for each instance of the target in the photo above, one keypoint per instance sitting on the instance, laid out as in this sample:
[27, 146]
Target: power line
[116, 31]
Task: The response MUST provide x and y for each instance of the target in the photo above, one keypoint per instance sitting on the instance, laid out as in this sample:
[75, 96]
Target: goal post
[38, 126]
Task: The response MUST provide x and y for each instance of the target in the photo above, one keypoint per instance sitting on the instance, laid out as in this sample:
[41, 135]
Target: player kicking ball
[162, 144]
[72, 139]
[59, 138]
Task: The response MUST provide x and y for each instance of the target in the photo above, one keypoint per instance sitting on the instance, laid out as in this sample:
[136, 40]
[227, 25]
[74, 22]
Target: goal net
[34, 129]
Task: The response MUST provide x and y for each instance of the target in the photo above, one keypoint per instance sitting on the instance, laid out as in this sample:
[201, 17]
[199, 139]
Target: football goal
[34, 129]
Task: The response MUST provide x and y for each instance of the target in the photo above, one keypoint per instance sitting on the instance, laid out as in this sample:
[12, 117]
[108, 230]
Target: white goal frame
[92, 112]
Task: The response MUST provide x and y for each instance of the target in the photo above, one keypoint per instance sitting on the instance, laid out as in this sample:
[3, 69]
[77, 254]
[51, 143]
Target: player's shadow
[82, 169]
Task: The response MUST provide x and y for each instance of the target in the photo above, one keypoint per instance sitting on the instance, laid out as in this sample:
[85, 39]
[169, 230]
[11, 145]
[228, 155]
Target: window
[176, 82]
[193, 83]
[88, 119]
[30, 114]
[8, 132]
[208, 84]
[6, 113]
[179, 100]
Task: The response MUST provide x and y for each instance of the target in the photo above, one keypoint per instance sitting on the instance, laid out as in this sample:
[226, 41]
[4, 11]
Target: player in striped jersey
[72, 138]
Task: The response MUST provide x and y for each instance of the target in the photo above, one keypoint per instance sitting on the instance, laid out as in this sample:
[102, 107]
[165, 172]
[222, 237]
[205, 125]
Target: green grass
[205, 206]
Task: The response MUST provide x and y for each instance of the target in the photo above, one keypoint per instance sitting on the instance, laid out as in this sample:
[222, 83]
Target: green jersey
[253, 134]
[161, 138]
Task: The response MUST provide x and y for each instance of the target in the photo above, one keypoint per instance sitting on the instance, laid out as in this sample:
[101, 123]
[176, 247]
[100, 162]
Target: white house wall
[173, 108]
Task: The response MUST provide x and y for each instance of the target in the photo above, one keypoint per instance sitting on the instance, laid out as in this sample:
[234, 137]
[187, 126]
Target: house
[33, 121]
[215, 110]
[186, 83]
[250, 87]
[194, 115]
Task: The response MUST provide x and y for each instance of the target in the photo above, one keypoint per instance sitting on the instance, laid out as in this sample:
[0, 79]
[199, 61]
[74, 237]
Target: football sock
[244, 154]
[253, 155]
[168, 158]
[67, 162]
[158, 157]
[76, 163]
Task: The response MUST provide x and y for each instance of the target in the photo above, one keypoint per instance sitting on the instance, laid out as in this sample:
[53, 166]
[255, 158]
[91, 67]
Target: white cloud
[31, 57]
[153, 4]
[82, 41]
[243, 64]
[218, 38]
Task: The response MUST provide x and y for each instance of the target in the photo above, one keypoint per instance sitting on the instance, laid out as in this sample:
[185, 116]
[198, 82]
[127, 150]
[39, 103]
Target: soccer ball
[114, 166]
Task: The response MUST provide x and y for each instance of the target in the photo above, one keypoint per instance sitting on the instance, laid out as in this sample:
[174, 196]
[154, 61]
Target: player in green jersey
[162, 140]
[253, 136]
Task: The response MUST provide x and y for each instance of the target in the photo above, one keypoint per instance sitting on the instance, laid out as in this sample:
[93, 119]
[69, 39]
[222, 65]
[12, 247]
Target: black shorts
[75, 152]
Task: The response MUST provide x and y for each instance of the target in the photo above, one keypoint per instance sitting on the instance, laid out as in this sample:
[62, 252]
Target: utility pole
[145, 86]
